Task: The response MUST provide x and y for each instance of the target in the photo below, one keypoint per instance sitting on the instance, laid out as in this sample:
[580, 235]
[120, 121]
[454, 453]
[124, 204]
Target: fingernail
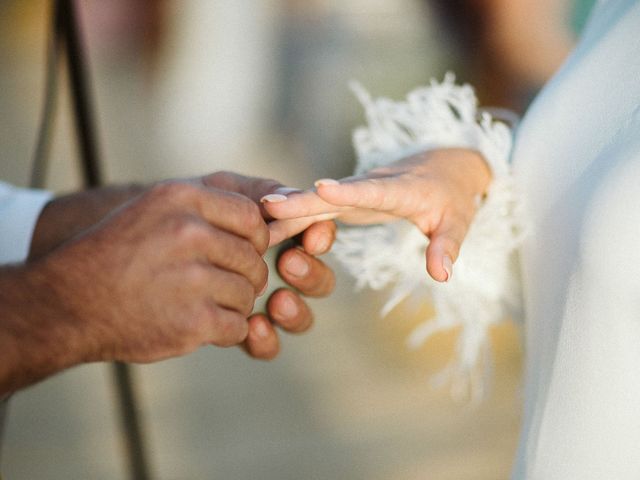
[273, 198]
[447, 264]
[322, 244]
[264, 289]
[289, 309]
[261, 329]
[296, 265]
[326, 181]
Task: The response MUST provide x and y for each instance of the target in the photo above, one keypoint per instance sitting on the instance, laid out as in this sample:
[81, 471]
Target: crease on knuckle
[245, 295]
[373, 194]
[197, 275]
[174, 190]
[188, 229]
[244, 259]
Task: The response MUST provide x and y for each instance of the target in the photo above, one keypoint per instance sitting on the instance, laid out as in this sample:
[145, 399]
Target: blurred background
[260, 87]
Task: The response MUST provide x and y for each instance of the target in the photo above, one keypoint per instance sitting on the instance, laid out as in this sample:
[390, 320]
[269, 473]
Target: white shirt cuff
[19, 212]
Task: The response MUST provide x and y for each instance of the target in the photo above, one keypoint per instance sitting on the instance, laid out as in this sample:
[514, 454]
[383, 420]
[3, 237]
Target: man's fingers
[306, 273]
[235, 254]
[237, 214]
[254, 188]
[444, 247]
[227, 327]
[232, 291]
[319, 237]
[262, 340]
[289, 311]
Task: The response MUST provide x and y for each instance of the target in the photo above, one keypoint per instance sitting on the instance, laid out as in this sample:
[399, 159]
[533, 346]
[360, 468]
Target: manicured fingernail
[447, 264]
[297, 266]
[289, 309]
[273, 198]
[326, 181]
[261, 329]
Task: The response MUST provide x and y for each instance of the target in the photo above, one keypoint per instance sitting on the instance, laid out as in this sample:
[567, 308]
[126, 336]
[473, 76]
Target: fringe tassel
[485, 284]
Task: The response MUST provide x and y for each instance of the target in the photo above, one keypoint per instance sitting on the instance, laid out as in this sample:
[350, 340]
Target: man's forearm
[66, 216]
[37, 336]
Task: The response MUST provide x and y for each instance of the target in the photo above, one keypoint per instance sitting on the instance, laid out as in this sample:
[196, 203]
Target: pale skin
[438, 191]
[141, 274]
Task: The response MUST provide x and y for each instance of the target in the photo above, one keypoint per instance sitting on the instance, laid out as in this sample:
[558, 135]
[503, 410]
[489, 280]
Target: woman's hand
[438, 191]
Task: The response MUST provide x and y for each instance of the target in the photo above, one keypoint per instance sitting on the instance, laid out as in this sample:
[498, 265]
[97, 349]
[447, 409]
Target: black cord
[85, 129]
[64, 38]
[45, 130]
[79, 87]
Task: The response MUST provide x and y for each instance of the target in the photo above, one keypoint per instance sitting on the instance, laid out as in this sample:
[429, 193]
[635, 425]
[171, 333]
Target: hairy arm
[175, 269]
[37, 336]
[66, 216]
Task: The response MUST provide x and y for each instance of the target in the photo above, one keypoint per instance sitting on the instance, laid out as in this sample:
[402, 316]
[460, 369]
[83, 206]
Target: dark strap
[3, 416]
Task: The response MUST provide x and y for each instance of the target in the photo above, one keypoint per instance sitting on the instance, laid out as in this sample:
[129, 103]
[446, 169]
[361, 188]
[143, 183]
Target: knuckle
[244, 293]
[373, 194]
[246, 260]
[231, 328]
[424, 223]
[262, 273]
[221, 177]
[188, 229]
[193, 327]
[251, 213]
[257, 274]
[197, 275]
[173, 190]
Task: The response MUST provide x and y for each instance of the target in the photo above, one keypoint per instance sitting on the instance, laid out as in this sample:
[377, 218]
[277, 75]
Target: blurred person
[140, 274]
[36, 226]
[563, 197]
[510, 48]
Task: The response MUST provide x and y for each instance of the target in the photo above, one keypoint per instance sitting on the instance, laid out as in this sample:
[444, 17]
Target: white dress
[577, 162]
[576, 170]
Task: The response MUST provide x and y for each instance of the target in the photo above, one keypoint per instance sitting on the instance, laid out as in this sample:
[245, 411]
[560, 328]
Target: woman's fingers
[297, 204]
[281, 230]
[383, 193]
[444, 246]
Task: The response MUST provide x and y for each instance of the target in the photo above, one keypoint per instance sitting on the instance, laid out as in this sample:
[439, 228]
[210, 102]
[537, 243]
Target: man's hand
[69, 216]
[296, 265]
[175, 269]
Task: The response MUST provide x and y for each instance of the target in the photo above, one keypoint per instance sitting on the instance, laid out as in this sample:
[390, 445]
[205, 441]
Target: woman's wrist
[466, 167]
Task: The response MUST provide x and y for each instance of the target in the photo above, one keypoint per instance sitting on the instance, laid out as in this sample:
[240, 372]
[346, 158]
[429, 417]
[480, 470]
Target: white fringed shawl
[483, 285]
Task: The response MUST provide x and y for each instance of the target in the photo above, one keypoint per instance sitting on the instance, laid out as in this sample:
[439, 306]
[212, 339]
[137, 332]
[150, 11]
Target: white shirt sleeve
[19, 212]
